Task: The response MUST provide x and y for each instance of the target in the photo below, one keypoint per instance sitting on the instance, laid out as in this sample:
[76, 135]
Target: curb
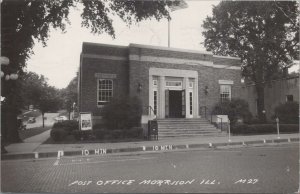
[144, 149]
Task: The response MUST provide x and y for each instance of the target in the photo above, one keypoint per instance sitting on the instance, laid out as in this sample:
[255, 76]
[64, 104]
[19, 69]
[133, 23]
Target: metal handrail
[206, 115]
[221, 122]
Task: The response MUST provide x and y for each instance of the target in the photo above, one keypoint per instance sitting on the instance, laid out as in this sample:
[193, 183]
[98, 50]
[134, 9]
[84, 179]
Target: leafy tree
[32, 87]
[24, 22]
[235, 109]
[264, 34]
[49, 100]
[70, 95]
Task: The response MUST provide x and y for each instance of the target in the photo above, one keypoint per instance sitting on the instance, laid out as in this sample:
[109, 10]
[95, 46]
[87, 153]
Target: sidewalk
[33, 147]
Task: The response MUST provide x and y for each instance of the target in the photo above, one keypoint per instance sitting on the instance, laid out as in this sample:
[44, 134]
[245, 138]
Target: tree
[264, 34]
[49, 100]
[24, 22]
[70, 95]
[36, 91]
[32, 87]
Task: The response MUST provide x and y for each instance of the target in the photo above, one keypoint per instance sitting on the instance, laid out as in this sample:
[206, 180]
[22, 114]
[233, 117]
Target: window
[105, 91]
[191, 103]
[289, 98]
[225, 93]
[191, 84]
[155, 102]
[154, 82]
[173, 83]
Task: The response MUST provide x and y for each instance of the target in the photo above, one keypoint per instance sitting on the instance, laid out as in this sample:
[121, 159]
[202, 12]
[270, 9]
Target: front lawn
[24, 134]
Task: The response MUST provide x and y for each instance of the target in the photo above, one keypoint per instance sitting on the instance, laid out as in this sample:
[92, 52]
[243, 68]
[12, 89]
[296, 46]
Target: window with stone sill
[104, 91]
[225, 92]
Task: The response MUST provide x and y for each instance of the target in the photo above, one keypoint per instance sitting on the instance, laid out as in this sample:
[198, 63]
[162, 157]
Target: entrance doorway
[175, 103]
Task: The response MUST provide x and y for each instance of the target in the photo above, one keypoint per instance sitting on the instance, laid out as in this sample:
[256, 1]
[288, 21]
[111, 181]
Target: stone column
[196, 99]
[187, 98]
[161, 98]
[150, 93]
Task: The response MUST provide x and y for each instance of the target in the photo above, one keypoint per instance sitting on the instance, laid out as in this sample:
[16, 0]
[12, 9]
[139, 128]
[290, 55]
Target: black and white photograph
[150, 96]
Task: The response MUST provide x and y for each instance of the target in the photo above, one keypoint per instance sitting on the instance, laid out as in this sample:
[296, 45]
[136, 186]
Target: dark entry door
[175, 104]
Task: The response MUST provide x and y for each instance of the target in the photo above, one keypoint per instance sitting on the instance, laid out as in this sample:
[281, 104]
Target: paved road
[239, 170]
[39, 121]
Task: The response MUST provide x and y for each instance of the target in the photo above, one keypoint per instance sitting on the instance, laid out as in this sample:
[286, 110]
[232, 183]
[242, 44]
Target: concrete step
[187, 129]
[181, 127]
[192, 135]
[185, 126]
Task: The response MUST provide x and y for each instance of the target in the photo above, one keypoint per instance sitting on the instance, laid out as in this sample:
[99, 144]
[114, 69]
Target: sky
[59, 60]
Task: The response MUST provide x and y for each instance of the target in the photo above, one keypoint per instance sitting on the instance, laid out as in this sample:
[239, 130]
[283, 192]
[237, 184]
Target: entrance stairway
[182, 127]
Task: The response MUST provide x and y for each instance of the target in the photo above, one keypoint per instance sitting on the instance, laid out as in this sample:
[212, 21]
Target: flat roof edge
[169, 48]
[106, 45]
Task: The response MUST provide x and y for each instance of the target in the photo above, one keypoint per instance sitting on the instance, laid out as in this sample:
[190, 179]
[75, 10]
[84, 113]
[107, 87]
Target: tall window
[155, 101]
[105, 91]
[191, 103]
[225, 92]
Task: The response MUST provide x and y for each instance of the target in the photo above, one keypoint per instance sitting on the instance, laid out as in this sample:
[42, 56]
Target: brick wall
[90, 66]
[208, 76]
[131, 73]
[275, 93]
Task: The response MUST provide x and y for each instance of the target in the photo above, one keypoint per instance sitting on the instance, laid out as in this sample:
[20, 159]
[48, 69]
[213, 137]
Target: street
[39, 120]
[271, 169]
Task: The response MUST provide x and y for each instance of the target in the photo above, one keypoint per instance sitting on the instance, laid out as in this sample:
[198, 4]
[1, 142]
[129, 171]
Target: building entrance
[176, 103]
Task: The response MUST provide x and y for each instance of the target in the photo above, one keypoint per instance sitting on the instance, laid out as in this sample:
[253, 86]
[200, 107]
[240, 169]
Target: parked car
[61, 118]
[31, 120]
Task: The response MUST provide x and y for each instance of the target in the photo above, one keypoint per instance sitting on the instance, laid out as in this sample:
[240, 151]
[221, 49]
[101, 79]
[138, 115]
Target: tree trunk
[261, 102]
[10, 114]
[43, 119]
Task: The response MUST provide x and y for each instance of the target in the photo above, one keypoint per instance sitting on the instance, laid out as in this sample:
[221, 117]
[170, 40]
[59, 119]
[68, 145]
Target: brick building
[175, 83]
[276, 92]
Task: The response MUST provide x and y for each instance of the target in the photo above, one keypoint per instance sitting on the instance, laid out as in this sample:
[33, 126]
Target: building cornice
[180, 61]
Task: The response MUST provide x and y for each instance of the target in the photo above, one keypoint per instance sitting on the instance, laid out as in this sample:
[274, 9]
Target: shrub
[69, 125]
[99, 133]
[58, 134]
[122, 113]
[287, 113]
[134, 132]
[264, 129]
[235, 109]
[78, 134]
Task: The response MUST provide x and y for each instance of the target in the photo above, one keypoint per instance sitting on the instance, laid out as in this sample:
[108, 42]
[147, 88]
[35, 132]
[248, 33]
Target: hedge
[61, 130]
[69, 125]
[264, 129]
[135, 132]
[58, 134]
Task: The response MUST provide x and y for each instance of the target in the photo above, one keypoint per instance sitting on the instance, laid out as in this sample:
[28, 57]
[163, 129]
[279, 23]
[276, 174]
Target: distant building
[276, 92]
[175, 83]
